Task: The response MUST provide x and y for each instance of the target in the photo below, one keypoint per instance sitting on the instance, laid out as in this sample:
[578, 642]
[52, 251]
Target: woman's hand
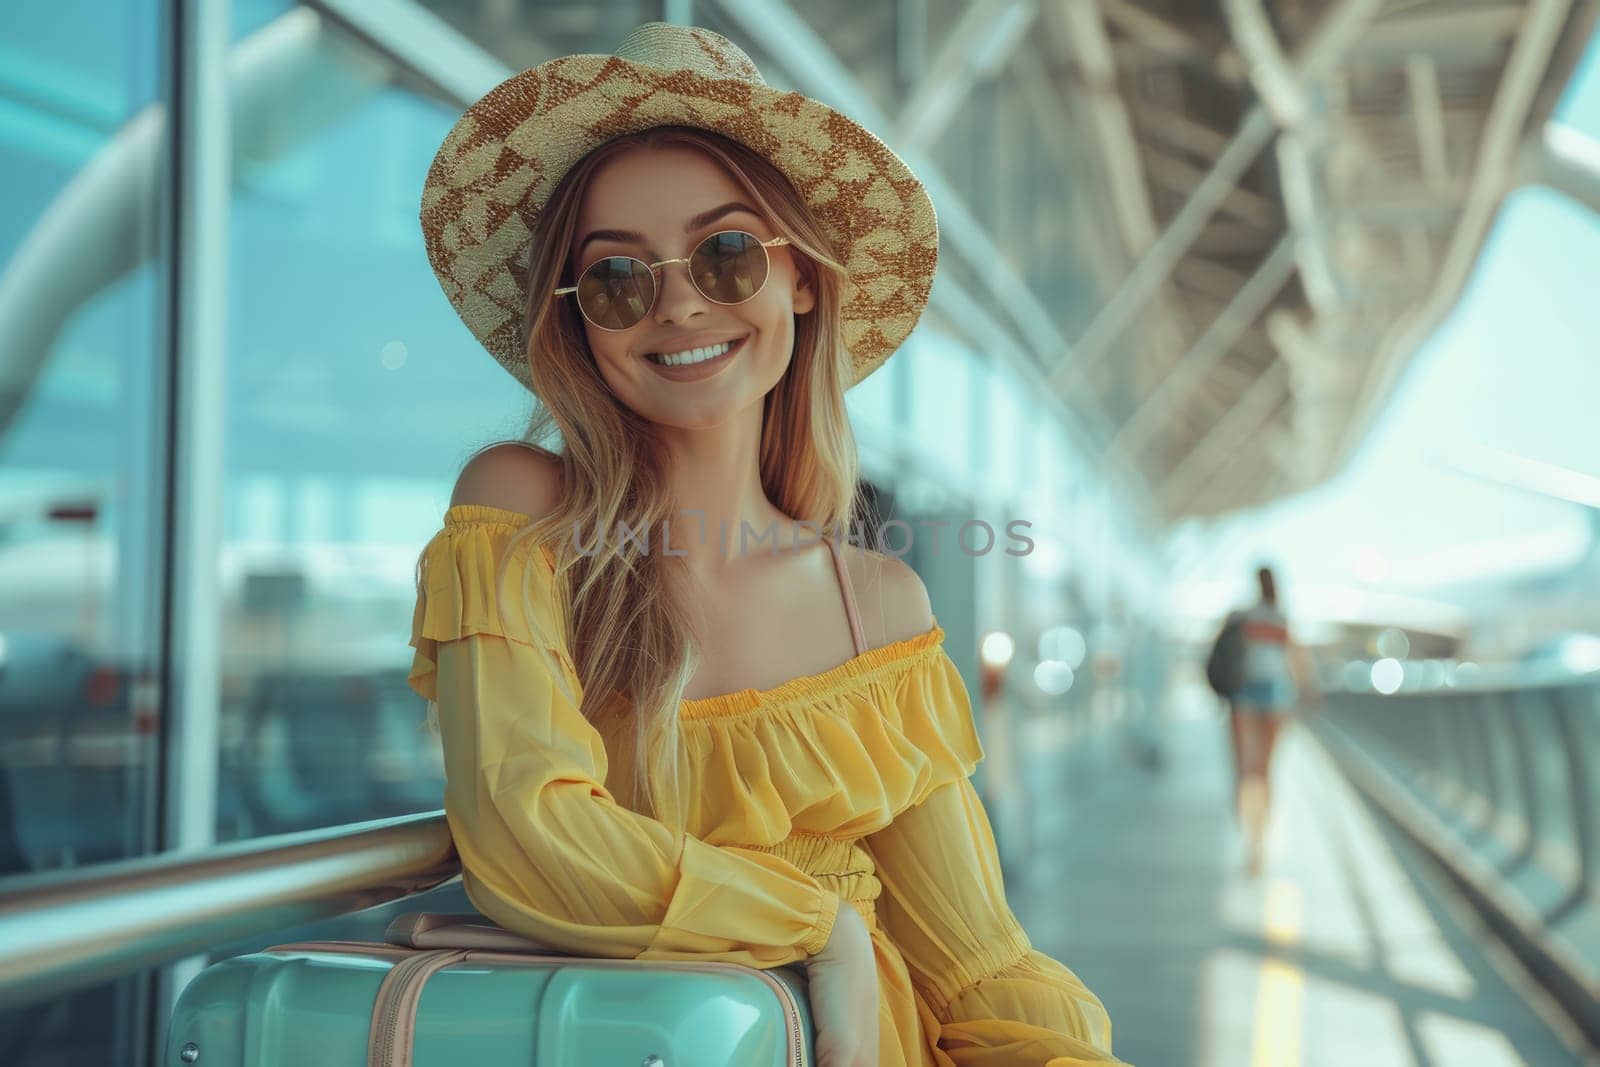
[843, 990]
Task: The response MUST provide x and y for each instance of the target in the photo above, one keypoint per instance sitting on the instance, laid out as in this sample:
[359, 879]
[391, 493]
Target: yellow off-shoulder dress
[850, 786]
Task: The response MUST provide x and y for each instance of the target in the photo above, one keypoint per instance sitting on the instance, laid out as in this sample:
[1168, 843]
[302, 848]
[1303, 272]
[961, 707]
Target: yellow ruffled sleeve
[1000, 1002]
[546, 851]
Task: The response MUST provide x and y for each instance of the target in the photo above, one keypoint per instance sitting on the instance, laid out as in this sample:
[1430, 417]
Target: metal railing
[1498, 780]
[60, 932]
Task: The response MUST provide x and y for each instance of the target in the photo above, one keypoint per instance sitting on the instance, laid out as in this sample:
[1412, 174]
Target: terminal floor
[1351, 948]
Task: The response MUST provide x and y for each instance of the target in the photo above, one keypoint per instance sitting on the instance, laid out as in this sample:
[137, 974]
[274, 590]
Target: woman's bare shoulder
[512, 476]
[890, 594]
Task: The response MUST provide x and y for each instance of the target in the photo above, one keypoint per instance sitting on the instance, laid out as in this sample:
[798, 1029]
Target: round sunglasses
[617, 292]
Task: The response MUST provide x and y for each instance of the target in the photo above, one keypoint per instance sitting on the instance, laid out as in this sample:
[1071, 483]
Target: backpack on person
[1225, 665]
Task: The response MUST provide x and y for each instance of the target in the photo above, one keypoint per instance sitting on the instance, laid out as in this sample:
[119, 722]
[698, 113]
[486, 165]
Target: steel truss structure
[1208, 232]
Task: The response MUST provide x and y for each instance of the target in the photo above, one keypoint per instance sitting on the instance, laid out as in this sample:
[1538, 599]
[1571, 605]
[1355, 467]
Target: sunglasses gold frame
[654, 269]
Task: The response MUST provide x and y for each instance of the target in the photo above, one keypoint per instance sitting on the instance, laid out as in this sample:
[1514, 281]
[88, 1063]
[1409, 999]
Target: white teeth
[693, 355]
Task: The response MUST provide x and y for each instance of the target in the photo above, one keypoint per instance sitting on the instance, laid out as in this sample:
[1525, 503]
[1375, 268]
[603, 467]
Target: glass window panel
[353, 394]
[1003, 444]
[871, 402]
[941, 405]
[81, 278]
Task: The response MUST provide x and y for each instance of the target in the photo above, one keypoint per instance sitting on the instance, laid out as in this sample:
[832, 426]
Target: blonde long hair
[627, 630]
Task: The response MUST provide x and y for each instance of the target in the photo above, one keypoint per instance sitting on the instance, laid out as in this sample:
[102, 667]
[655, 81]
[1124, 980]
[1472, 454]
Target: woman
[1274, 679]
[659, 742]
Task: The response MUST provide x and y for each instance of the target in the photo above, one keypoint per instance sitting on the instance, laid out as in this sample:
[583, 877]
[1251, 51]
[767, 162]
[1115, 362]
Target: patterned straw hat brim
[504, 157]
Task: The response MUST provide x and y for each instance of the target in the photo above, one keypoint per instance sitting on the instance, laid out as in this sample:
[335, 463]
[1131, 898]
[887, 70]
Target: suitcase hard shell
[417, 1004]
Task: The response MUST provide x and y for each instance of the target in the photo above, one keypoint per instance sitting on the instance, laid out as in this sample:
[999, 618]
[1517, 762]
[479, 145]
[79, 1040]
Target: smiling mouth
[694, 355]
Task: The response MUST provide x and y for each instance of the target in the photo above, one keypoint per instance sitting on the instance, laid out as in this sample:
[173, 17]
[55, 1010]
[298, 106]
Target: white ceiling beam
[1229, 440]
[1177, 129]
[983, 38]
[1300, 181]
[1405, 34]
[1275, 83]
[1326, 47]
[1155, 36]
[1243, 204]
[1566, 159]
[1075, 28]
[1209, 278]
[1209, 347]
[423, 44]
[1492, 176]
[1311, 366]
[1427, 115]
[1304, 126]
[1151, 271]
[1078, 25]
[1401, 208]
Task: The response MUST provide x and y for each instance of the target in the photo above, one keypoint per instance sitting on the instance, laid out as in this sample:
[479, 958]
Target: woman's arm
[997, 998]
[1304, 671]
[547, 852]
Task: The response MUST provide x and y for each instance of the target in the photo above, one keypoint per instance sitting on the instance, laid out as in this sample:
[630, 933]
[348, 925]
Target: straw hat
[503, 158]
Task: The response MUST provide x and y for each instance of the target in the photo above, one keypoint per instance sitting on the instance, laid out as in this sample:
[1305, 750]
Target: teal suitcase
[450, 989]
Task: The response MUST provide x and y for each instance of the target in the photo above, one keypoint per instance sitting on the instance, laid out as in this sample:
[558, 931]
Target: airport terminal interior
[1223, 285]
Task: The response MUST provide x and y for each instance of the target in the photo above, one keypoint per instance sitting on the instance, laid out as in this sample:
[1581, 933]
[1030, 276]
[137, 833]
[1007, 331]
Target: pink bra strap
[856, 634]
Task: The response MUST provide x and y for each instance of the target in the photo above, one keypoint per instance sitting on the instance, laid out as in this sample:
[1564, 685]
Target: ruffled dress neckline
[858, 670]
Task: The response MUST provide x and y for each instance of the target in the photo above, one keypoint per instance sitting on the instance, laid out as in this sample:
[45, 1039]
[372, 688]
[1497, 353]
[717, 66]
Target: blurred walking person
[1264, 678]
